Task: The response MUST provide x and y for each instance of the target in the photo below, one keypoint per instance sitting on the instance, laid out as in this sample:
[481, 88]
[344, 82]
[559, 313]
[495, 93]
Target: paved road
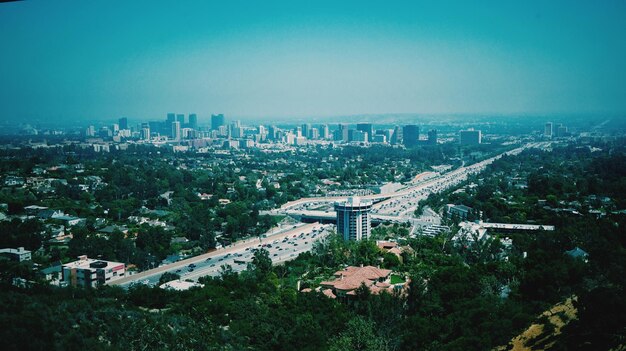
[287, 245]
[204, 263]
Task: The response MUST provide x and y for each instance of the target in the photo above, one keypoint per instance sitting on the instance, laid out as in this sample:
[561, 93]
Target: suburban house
[351, 278]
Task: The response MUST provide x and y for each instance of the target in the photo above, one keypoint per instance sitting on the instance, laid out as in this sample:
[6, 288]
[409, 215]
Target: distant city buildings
[175, 130]
[432, 137]
[547, 130]
[396, 137]
[123, 123]
[353, 218]
[217, 121]
[367, 128]
[193, 121]
[410, 135]
[470, 137]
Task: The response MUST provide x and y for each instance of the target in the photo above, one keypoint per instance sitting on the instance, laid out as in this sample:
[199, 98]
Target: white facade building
[87, 272]
[353, 218]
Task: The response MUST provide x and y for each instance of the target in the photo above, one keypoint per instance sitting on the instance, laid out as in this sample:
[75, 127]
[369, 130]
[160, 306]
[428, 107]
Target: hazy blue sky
[105, 59]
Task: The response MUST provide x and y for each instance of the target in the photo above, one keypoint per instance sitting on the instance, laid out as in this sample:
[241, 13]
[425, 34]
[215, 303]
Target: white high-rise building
[176, 130]
[547, 131]
[353, 218]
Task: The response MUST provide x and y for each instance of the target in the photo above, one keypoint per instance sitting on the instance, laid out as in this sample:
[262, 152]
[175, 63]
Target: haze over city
[73, 60]
[324, 175]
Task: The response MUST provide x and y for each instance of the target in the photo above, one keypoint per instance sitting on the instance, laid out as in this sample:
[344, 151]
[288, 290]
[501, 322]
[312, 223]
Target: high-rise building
[470, 137]
[342, 133]
[388, 133]
[314, 134]
[272, 132]
[145, 131]
[175, 130]
[324, 134]
[236, 131]
[410, 135]
[353, 218]
[193, 121]
[359, 136]
[561, 131]
[180, 118]
[217, 121]
[123, 123]
[366, 128]
[547, 131]
[396, 137]
[306, 130]
[432, 137]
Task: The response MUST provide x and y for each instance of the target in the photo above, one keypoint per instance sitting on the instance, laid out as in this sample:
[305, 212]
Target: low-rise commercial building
[87, 272]
[18, 255]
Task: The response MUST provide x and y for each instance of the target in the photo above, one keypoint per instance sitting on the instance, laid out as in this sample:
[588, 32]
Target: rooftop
[353, 277]
[89, 263]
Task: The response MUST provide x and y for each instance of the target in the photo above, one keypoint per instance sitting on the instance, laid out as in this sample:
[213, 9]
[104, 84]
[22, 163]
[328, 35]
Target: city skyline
[75, 60]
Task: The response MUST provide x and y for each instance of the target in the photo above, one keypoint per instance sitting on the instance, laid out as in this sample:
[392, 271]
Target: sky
[106, 59]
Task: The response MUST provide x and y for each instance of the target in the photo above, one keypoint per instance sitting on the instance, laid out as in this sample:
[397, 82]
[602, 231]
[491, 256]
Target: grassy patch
[396, 279]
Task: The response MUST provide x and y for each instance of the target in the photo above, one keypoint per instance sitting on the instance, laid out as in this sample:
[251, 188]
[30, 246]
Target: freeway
[399, 206]
[282, 247]
[286, 245]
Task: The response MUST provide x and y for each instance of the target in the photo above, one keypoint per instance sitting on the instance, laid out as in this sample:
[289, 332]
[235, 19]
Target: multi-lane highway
[286, 245]
[282, 246]
[400, 205]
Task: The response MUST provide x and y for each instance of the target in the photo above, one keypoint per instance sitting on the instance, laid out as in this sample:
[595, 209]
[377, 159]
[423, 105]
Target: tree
[168, 277]
[359, 335]
[261, 263]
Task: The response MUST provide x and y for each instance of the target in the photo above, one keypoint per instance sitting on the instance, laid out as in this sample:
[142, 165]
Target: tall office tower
[193, 121]
[116, 128]
[167, 128]
[344, 132]
[262, 135]
[91, 131]
[388, 133]
[298, 132]
[470, 137]
[396, 137]
[222, 131]
[366, 128]
[410, 135]
[158, 127]
[359, 136]
[314, 134]
[290, 138]
[180, 118]
[324, 134]
[561, 131]
[353, 218]
[145, 131]
[175, 130]
[272, 133]
[432, 137]
[123, 123]
[547, 131]
[217, 121]
[236, 131]
[306, 130]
